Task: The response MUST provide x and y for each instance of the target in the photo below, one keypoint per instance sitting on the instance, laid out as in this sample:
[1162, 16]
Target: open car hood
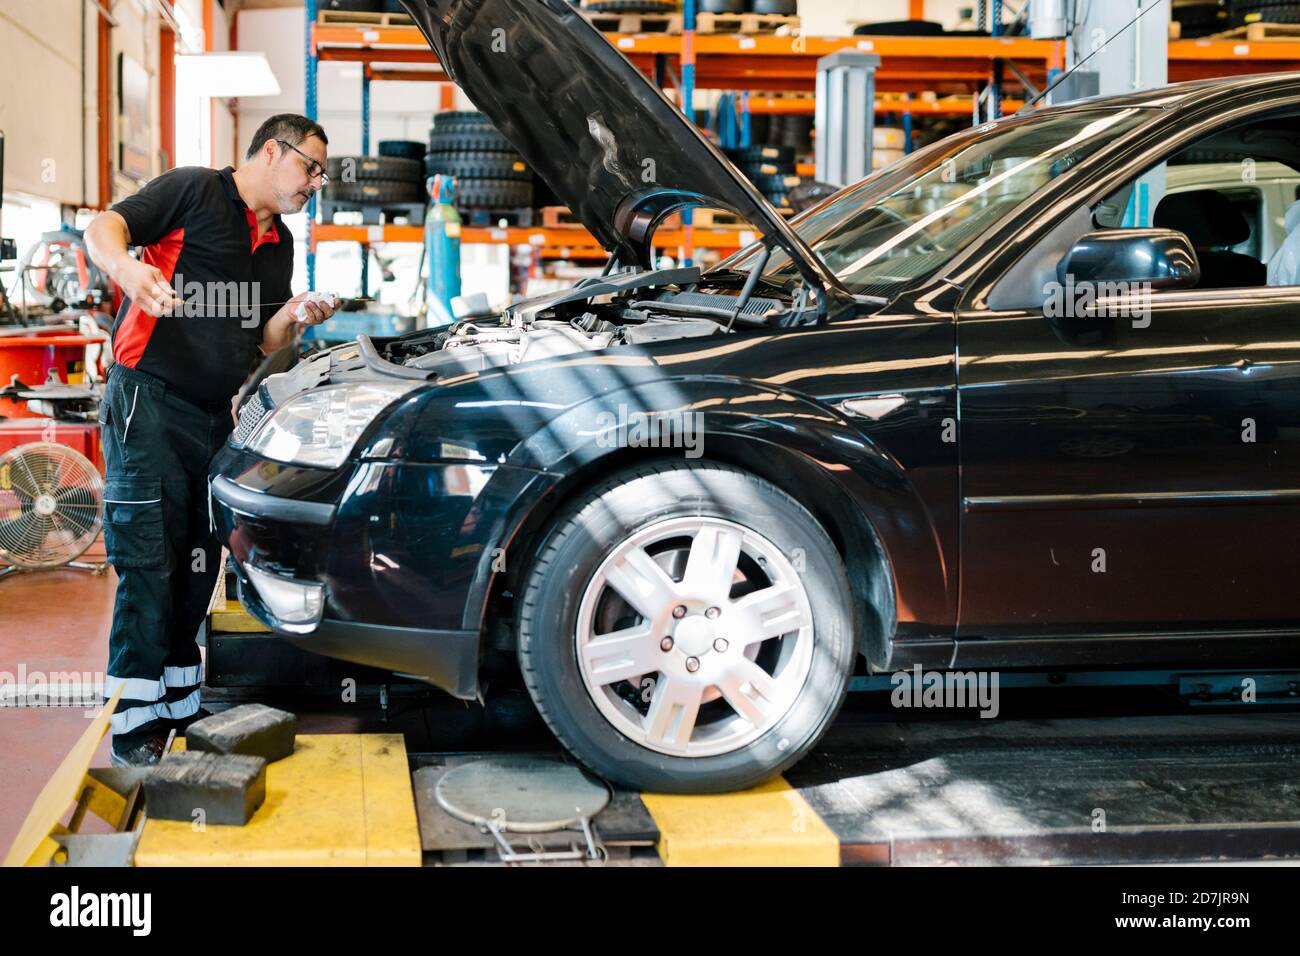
[591, 124]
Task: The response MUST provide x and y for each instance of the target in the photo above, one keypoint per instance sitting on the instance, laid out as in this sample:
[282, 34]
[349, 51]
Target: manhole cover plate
[523, 794]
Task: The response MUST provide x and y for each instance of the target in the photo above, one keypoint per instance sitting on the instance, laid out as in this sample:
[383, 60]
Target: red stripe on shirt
[133, 336]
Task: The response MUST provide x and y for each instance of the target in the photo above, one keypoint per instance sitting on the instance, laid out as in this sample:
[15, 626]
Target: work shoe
[146, 754]
[182, 723]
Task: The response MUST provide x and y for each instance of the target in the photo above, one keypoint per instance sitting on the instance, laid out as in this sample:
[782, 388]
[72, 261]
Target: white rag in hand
[326, 298]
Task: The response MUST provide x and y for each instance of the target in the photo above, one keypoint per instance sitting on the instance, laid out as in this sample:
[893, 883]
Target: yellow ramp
[339, 800]
[770, 825]
[34, 846]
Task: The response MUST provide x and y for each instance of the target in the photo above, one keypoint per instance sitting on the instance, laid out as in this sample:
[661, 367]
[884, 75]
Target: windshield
[910, 220]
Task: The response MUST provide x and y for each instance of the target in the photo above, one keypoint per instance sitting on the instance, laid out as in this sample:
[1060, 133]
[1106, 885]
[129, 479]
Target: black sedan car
[1003, 404]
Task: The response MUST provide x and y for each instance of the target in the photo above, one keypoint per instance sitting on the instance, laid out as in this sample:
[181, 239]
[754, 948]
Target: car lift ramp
[1207, 787]
[1114, 790]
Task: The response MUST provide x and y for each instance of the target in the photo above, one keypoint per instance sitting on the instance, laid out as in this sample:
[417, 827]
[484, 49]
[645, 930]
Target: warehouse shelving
[559, 238]
[947, 69]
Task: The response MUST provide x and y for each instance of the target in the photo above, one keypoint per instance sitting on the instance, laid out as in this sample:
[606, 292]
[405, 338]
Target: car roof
[1177, 95]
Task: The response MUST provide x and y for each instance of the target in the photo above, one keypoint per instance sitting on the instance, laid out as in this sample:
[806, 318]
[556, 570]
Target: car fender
[858, 488]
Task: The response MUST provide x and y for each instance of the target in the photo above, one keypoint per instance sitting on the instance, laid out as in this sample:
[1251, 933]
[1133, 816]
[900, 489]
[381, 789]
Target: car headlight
[320, 427]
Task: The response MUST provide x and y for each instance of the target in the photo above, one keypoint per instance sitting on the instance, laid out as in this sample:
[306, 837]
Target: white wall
[40, 47]
[397, 110]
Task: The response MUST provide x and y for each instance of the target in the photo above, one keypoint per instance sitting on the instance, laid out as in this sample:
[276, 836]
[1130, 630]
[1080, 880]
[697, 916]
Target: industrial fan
[51, 501]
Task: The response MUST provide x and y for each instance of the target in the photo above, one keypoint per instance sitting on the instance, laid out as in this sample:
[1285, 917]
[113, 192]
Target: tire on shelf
[365, 168]
[755, 170]
[459, 119]
[608, 730]
[353, 6]
[403, 148]
[493, 194]
[477, 166]
[630, 6]
[721, 6]
[785, 8]
[776, 154]
[375, 191]
[775, 183]
[469, 139]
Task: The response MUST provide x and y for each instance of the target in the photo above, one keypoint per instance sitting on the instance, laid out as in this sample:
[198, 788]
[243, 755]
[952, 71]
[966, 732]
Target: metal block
[226, 788]
[253, 730]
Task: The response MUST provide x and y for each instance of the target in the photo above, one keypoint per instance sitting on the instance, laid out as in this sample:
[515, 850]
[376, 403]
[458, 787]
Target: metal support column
[845, 115]
[688, 107]
[995, 88]
[365, 151]
[310, 110]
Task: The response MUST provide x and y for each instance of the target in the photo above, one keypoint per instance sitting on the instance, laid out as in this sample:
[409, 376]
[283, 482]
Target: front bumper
[399, 550]
[446, 659]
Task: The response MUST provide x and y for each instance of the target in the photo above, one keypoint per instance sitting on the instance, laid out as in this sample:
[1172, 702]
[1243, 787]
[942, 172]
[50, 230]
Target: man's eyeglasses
[314, 169]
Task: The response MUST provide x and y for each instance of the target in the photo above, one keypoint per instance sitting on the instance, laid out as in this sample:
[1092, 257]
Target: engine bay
[636, 308]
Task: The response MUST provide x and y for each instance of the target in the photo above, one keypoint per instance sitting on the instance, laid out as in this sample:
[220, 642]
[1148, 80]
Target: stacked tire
[1200, 19]
[1264, 11]
[630, 6]
[770, 168]
[786, 8]
[489, 172]
[394, 176]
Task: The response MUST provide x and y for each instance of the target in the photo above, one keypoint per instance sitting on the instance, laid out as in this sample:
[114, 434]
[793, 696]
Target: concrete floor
[58, 622]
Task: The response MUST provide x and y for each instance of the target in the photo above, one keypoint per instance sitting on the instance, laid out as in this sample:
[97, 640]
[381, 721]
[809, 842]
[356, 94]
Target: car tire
[404, 148]
[493, 194]
[722, 6]
[763, 154]
[630, 6]
[477, 166]
[597, 720]
[370, 168]
[459, 119]
[484, 140]
[375, 191]
[784, 8]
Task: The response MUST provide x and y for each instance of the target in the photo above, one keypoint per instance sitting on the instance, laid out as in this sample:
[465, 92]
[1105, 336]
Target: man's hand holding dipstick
[146, 286]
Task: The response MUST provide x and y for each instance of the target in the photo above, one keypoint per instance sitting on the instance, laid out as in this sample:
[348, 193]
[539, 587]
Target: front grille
[250, 416]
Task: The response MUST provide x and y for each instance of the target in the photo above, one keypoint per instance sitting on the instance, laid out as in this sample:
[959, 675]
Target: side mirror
[1158, 258]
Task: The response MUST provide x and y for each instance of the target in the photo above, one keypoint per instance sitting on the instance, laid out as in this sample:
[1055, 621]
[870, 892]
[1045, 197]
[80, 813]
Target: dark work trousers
[158, 535]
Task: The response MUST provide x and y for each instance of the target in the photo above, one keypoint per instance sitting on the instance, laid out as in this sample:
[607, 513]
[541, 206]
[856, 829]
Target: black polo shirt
[193, 225]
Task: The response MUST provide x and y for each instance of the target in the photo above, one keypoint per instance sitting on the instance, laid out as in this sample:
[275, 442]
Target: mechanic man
[211, 287]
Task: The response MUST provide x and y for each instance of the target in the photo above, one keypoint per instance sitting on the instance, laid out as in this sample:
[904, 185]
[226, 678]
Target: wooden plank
[1259, 32]
[635, 22]
[362, 18]
[554, 217]
[745, 23]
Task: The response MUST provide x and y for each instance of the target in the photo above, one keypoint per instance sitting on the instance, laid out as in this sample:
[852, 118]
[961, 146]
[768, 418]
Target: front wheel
[687, 628]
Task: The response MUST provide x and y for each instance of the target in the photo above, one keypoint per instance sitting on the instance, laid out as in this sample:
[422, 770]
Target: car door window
[1230, 194]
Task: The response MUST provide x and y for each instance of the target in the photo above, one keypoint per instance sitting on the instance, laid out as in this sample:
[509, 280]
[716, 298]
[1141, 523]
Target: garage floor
[1102, 775]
